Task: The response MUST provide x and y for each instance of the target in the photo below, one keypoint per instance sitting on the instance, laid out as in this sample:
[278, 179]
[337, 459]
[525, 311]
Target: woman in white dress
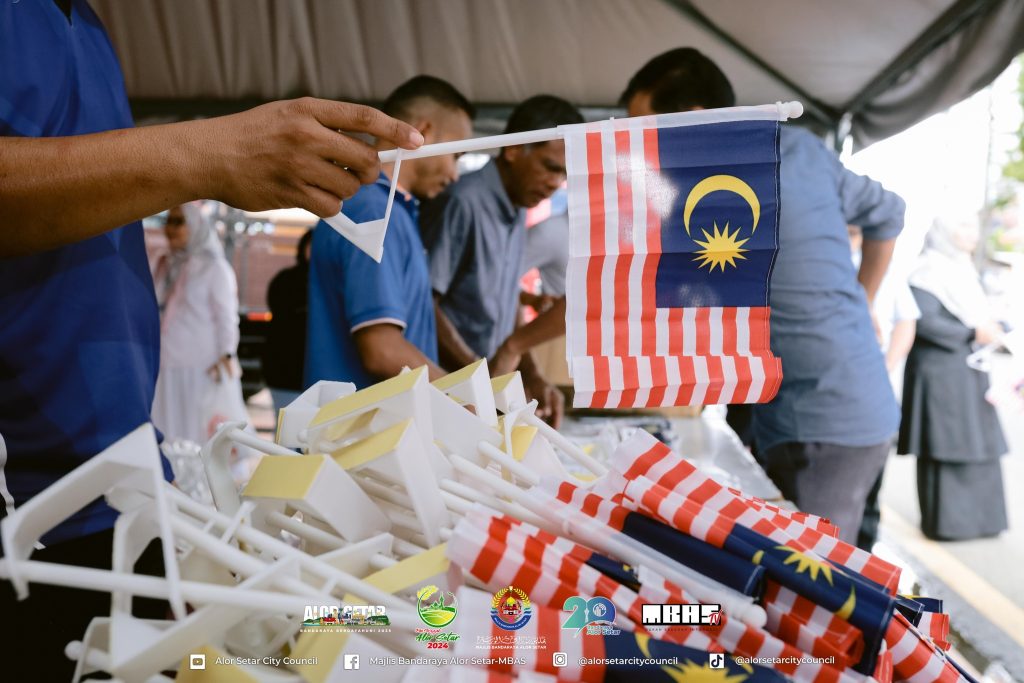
[198, 298]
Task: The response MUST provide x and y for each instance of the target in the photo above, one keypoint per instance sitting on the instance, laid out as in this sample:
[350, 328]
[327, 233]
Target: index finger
[358, 118]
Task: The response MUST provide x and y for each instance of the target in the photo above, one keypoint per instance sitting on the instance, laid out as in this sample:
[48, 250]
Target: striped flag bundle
[823, 599]
[927, 615]
[827, 589]
[789, 599]
[673, 235]
[607, 658]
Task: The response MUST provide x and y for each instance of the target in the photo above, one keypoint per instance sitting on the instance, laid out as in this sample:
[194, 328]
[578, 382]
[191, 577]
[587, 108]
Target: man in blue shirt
[825, 438]
[79, 328]
[368, 320]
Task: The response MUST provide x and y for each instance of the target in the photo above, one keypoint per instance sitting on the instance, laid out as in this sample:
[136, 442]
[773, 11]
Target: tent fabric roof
[501, 51]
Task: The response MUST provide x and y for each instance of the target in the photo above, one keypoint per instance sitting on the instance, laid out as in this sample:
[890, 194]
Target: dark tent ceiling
[874, 67]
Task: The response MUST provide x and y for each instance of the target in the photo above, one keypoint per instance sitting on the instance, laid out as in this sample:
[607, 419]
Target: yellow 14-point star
[720, 247]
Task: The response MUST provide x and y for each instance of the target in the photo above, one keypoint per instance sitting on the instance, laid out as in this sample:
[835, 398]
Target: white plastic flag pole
[783, 111]
[561, 520]
[264, 542]
[85, 578]
[369, 236]
[571, 449]
[100, 661]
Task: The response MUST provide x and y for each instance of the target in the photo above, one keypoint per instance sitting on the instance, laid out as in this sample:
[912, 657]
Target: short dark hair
[679, 80]
[402, 100]
[542, 111]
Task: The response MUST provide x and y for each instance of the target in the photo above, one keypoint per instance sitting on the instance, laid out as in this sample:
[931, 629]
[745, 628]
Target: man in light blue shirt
[368, 320]
[825, 437]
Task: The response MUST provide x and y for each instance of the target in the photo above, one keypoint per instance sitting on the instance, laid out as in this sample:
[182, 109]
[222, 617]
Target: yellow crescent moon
[729, 183]
[847, 609]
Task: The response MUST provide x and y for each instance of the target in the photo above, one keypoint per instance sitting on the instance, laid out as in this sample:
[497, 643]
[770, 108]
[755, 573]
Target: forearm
[452, 348]
[545, 327]
[529, 368]
[876, 255]
[385, 352]
[55, 191]
[901, 341]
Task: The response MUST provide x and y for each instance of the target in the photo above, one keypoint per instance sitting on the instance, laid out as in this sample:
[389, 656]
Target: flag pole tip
[791, 110]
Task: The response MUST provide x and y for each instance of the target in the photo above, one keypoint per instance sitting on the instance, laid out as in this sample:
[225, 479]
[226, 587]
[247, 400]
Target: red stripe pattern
[551, 569]
[666, 486]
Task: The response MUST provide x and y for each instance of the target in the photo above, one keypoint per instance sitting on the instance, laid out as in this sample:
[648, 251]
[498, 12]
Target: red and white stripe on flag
[623, 350]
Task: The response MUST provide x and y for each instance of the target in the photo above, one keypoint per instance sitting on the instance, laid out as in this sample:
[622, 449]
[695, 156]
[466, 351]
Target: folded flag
[926, 614]
[849, 596]
[653, 476]
[624, 658]
[673, 235]
[502, 551]
[915, 659]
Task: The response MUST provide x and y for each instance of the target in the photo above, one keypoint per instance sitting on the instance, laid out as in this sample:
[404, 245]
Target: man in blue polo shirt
[79, 328]
[368, 320]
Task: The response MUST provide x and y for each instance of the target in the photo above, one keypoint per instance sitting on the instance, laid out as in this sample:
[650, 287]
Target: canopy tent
[871, 67]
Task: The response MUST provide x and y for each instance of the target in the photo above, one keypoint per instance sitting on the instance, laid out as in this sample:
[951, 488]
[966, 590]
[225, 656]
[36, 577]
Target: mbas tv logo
[684, 614]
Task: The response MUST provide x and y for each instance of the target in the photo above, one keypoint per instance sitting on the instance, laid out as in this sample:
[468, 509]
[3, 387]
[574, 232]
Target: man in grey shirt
[826, 435]
[475, 235]
[547, 250]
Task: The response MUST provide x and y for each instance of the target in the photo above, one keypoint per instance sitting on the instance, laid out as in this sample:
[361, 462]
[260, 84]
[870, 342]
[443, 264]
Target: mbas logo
[684, 614]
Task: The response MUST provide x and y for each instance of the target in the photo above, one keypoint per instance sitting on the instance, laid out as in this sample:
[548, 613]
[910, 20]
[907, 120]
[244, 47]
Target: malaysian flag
[846, 595]
[673, 235]
[650, 473]
[501, 551]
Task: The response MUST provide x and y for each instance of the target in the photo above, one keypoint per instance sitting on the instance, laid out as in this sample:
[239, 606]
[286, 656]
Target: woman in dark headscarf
[947, 422]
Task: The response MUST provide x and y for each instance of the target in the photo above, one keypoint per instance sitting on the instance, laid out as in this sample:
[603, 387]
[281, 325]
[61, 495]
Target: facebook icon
[717, 660]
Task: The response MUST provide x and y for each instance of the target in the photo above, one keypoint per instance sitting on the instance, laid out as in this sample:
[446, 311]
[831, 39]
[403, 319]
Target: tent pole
[934, 34]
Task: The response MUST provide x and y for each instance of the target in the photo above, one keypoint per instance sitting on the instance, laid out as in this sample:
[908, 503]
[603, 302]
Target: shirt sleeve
[906, 305]
[372, 292]
[447, 229]
[938, 327]
[865, 203]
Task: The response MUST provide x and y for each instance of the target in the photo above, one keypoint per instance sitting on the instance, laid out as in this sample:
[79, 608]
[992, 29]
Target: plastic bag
[223, 403]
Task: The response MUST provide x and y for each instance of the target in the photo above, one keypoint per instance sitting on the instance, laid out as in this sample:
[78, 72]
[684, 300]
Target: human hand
[988, 333]
[290, 154]
[225, 368]
[550, 402]
[538, 302]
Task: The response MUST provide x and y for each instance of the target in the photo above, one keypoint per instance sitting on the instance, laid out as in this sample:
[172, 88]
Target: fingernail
[416, 139]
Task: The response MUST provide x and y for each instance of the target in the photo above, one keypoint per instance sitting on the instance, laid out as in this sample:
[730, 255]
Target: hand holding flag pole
[369, 236]
[784, 111]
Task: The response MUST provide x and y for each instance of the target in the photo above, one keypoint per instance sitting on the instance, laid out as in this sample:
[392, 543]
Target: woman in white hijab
[198, 298]
[947, 422]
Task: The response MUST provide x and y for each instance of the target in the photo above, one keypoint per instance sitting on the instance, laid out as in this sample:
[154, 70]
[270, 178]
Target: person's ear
[512, 154]
[426, 129]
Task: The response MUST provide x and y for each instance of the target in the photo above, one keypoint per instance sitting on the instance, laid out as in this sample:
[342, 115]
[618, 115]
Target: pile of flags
[831, 610]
